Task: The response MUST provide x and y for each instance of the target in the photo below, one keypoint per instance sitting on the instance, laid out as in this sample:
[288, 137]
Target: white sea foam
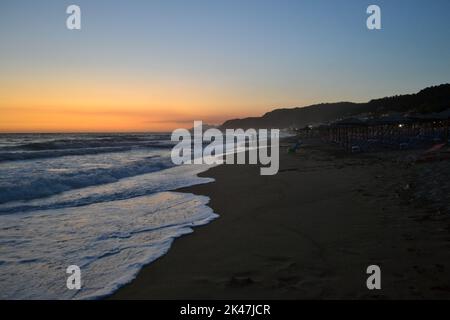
[109, 241]
[135, 186]
[27, 180]
[108, 213]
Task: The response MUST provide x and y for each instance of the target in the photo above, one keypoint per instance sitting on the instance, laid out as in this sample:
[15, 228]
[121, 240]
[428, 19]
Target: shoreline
[308, 232]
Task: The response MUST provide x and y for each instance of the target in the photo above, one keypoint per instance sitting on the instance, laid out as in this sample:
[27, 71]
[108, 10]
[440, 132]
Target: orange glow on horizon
[113, 105]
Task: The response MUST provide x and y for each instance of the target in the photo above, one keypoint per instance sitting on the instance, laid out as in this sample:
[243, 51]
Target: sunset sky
[157, 65]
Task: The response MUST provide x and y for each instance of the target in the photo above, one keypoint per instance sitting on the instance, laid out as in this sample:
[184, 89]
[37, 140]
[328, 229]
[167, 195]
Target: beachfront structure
[395, 131]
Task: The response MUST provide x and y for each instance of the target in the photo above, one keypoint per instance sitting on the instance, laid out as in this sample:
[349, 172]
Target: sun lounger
[434, 153]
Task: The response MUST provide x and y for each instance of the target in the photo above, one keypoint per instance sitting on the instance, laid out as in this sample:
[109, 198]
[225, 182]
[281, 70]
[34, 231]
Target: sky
[156, 65]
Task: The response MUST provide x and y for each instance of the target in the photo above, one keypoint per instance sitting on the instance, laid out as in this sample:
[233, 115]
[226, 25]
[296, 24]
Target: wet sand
[308, 232]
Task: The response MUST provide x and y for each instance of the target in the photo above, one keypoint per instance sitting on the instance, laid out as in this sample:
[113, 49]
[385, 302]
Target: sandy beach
[309, 232]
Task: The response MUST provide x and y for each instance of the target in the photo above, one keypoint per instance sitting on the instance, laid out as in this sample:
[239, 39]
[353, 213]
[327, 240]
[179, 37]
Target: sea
[103, 202]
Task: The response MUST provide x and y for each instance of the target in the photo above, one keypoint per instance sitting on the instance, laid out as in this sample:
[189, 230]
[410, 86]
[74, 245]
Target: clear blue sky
[266, 53]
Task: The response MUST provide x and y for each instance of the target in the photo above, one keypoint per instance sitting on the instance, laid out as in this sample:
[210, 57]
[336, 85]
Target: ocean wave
[110, 242]
[23, 149]
[38, 186]
[26, 155]
[30, 155]
[108, 212]
[80, 141]
[146, 184]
